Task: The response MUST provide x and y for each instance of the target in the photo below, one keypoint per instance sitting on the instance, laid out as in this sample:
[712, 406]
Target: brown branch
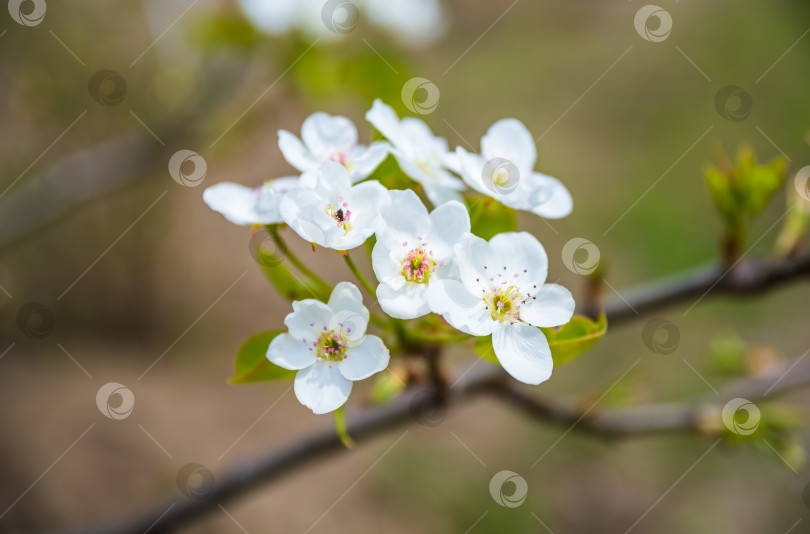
[747, 278]
[657, 419]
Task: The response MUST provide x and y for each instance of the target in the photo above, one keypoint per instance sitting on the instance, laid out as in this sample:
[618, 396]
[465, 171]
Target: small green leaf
[566, 342]
[483, 348]
[575, 337]
[489, 218]
[342, 429]
[386, 387]
[252, 364]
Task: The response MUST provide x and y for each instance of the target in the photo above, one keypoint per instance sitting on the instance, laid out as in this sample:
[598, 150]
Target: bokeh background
[147, 287]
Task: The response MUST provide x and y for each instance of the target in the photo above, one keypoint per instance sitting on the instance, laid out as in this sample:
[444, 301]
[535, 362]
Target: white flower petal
[552, 305]
[407, 302]
[324, 134]
[239, 203]
[295, 152]
[450, 222]
[308, 319]
[463, 310]
[386, 268]
[368, 160]
[523, 351]
[521, 251]
[385, 120]
[549, 197]
[369, 357]
[477, 263]
[346, 297]
[509, 139]
[439, 194]
[407, 216]
[321, 387]
[290, 353]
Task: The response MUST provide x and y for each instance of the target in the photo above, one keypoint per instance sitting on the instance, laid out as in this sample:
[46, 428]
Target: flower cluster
[425, 261]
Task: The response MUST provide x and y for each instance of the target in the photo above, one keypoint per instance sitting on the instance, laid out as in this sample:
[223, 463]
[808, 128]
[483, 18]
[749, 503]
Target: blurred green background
[135, 270]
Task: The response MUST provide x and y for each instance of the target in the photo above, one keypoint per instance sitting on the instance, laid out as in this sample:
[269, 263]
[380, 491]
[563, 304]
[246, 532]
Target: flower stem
[357, 274]
[287, 253]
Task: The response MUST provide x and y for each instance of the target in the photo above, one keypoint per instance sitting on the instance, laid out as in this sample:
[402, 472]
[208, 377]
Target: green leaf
[489, 217]
[721, 192]
[386, 387]
[252, 364]
[483, 348]
[342, 429]
[566, 342]
[574, 338]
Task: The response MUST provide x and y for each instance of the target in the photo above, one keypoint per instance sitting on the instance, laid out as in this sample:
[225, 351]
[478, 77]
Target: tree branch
[690, 416]
[747, 278]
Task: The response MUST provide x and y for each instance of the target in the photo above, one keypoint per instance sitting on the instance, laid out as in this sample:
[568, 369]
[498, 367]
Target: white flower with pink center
[328, 138]
[327, 344]
[245, 205]
[502, 291]
[328, 211]
[414, 249]
[420, 154]
[505, 171]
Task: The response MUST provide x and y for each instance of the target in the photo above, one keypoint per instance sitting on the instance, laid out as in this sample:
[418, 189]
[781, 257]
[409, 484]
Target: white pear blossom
[329, 211]
[328, 138]
[505, 171]
[245, 205]
[328, 346]
[412, 21]
[421, 155]
[502, 292]
[414, 250]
